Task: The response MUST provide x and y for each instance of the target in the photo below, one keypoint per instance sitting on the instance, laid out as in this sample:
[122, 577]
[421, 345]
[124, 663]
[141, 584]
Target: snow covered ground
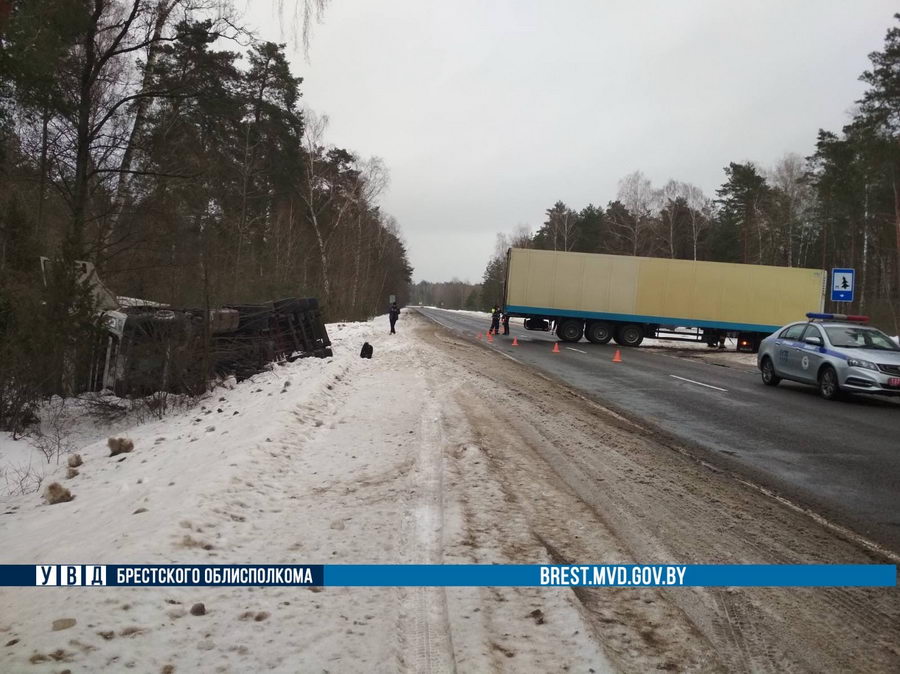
[317, 461]
[434, 451]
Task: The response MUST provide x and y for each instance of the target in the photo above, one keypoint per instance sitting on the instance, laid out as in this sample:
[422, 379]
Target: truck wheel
[829, 388]
[570, 330]
[768, 373]
[629, 335]
[598, 332]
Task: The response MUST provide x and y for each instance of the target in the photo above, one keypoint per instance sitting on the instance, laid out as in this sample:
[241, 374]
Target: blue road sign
[842, 283]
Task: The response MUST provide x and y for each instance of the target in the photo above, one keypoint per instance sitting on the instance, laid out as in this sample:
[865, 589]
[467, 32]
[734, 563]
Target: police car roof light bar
[838, 317]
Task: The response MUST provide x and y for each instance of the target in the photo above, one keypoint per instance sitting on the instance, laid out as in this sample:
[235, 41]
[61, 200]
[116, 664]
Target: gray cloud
[486, 113]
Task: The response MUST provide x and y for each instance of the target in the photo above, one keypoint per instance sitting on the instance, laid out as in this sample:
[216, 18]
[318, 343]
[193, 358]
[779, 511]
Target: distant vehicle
[627, 298]
[834, 352]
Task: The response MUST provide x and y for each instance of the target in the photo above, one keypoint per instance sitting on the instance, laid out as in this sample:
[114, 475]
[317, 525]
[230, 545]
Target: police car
[835, 353]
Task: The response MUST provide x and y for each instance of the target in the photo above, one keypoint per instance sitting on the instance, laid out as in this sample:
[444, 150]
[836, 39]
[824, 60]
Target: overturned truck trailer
[145, 346]
[148, 349]
[285, 329]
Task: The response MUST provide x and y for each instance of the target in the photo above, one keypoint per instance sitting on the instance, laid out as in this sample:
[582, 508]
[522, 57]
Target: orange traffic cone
[490, 337]
[555, 347]
[515, 341]
[618, 357]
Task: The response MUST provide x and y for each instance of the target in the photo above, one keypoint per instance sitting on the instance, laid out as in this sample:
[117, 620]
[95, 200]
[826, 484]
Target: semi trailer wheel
[598, 332]
[570, 330]
[629, 335]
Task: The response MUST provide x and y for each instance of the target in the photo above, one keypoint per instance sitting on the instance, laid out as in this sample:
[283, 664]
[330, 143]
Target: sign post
[842, 284]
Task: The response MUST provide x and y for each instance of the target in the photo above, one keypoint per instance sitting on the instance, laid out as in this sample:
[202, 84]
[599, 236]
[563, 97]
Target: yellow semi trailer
[603, 297]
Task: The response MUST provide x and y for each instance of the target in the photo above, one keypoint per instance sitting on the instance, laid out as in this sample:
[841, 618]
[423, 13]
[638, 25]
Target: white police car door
[787, 351]
[809, 356]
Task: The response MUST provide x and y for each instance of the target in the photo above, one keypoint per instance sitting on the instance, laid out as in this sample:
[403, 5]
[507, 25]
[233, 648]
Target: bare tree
[637, 195]
[668, 198]
[795, 198]
[567, 229]
[302, 15]
[700, 209]
[319, 191]
[373, 180]
[521, 237]
[160, 19]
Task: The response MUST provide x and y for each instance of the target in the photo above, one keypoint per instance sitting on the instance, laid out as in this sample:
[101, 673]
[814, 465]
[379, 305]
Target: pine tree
[742, 200]
[880, 110]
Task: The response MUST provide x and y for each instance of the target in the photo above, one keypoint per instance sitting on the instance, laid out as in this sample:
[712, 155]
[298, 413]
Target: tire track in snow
[425, 644]
[498, 629]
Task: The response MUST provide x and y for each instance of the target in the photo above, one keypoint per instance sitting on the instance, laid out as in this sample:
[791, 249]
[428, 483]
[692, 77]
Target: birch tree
[700, 211]
[636, 194]
[792, 197]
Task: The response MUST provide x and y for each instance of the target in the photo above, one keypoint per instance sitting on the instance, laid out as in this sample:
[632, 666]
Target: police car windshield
[853, 336]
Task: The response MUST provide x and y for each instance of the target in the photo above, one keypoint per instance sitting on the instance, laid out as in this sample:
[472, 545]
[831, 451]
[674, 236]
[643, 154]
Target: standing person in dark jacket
[495, 320]
[505, 323]
[393, 315]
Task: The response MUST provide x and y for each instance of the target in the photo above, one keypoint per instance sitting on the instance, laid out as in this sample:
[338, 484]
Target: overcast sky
[486, 112]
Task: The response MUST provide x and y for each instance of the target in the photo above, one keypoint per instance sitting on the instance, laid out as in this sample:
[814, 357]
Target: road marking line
[699, 383]
[578, 350]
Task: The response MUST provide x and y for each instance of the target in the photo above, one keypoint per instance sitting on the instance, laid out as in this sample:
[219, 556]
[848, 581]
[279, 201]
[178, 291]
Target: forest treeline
[839, 207]
[163, 142]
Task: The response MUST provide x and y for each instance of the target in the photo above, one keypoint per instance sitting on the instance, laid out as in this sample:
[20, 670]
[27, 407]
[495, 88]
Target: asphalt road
[840, 459]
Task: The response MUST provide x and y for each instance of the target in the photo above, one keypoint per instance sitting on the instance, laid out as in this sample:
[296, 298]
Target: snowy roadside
[73, 425]
[318, 461]
[162, 503]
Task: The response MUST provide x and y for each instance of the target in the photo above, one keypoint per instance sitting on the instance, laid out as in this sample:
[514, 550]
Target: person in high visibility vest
[495, 320]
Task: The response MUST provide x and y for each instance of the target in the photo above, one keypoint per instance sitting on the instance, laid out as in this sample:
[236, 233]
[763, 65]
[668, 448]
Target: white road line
[699, 383]
[578, 350]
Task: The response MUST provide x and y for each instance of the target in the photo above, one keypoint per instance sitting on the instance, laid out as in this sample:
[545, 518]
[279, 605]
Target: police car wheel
[828, 384]
[768, 373]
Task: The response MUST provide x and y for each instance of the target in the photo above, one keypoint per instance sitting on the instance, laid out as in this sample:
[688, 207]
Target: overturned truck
[147, 347]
